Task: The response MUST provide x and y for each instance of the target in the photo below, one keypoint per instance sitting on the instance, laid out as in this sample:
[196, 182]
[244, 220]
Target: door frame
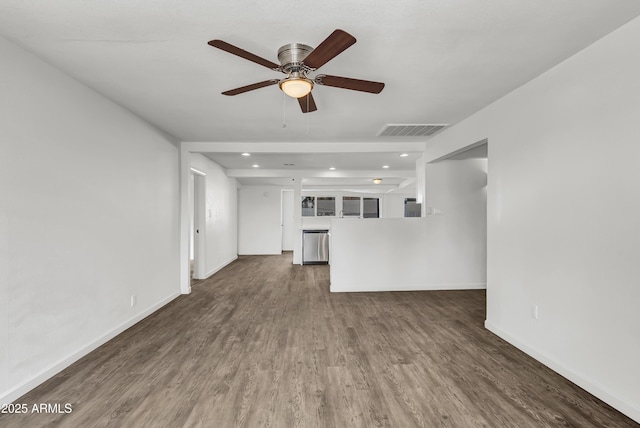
[198, 205]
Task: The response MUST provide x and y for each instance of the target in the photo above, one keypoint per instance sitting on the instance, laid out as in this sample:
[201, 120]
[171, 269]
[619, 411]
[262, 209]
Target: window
[411, 208]
[318, 206]
[308, 206]
[351, 206]
[371, 208]
[326, 206]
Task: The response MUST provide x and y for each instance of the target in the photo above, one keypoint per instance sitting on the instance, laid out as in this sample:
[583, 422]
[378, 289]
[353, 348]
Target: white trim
[198, 205]
[262, 172]
[417, 287]
[197, 171]
[222, 265]
[632, 410]
[46, 374]
[461, 150]
[381, 145]
[185, 184]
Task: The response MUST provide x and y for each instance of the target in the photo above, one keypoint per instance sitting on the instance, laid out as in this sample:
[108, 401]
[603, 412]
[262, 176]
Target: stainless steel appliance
[315, 247]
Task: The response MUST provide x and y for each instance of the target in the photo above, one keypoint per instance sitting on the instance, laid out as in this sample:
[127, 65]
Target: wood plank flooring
[264, 344]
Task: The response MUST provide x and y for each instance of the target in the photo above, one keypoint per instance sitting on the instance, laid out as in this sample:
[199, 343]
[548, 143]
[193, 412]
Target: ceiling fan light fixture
[296, 87]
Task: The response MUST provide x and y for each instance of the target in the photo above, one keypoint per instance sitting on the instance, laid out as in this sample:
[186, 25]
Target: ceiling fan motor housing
[291, 57]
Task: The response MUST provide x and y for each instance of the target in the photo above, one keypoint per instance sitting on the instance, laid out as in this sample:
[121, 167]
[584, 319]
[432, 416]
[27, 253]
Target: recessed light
[404, 155]
[333, 168]
[385, 166]
[255, 165]
[246, 154]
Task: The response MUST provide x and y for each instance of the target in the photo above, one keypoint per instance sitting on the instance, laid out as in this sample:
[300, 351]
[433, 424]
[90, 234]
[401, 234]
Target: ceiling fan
[297, 60]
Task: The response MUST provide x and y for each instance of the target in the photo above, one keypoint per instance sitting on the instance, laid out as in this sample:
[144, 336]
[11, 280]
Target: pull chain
[284, 110]
[308, 96]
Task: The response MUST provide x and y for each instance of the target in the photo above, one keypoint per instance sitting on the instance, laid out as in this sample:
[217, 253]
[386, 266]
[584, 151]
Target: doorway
[456, 189]
[197, 226]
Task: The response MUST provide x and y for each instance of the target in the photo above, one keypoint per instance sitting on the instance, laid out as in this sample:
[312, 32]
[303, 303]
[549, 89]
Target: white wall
[392, 204]
[88, 217]
[445, 251]
[321, 222]
[563, 210]
[392, 254]
[221, 214]
[457, 191]
[288, 223]
[259, 215]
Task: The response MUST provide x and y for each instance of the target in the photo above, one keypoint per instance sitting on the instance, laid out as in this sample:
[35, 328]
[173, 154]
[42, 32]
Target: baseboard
[593, 387]
[222, 265]
[18, 391]
[279, 253]
[416, 287]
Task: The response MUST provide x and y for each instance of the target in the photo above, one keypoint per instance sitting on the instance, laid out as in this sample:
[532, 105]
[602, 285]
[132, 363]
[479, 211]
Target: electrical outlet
[134, 300]
[534, 312]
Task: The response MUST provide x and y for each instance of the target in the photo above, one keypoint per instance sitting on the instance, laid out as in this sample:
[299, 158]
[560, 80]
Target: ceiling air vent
[410, 130]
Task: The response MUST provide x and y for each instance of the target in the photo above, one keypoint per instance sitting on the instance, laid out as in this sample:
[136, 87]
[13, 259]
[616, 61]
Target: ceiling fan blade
[330, 48]
[348, 83]
[243, 54]
[251, 87]
[307, 104]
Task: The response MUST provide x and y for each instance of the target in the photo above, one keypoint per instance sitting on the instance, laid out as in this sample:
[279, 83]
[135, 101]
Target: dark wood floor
[264, 343]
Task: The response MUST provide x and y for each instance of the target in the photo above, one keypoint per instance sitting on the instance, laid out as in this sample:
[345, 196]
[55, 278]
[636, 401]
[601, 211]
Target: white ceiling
[348, 170]
[441, 61]
[319, 161]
